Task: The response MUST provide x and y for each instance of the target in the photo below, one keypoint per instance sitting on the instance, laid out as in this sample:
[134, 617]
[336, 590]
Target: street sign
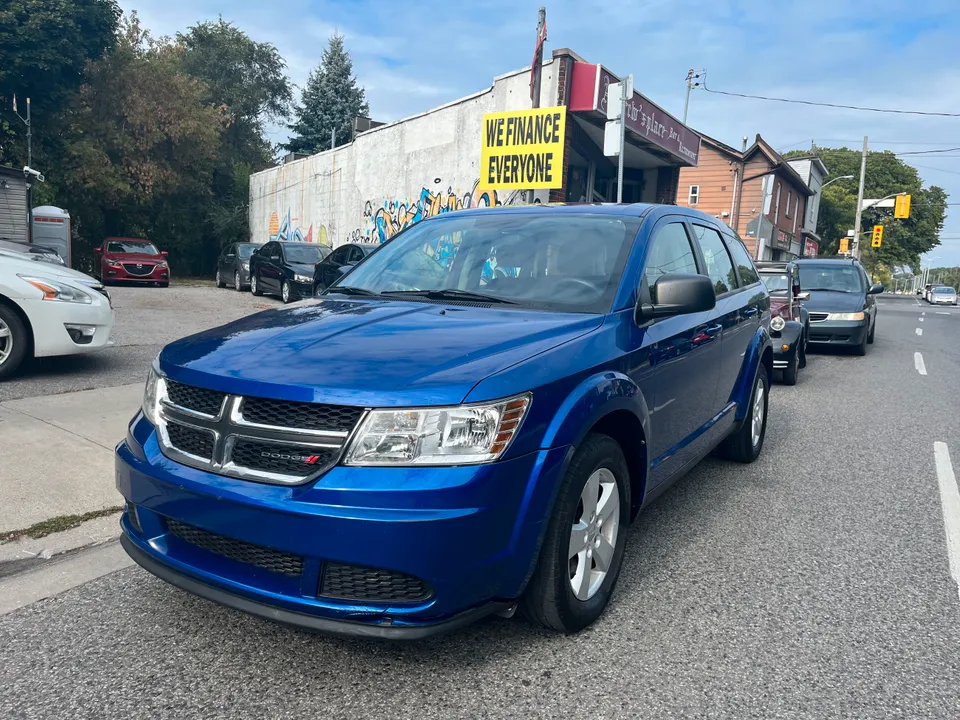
[844, 245]
[523, 149]
[901, 209]
[877, 236]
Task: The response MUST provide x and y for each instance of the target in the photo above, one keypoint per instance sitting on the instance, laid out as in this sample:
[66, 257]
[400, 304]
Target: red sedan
[132, 260]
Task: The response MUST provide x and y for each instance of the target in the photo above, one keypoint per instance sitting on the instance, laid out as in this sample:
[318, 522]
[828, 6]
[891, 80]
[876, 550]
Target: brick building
[754, 190]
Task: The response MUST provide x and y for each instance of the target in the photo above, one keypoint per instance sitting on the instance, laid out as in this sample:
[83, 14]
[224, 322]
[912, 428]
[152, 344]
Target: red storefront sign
[588, 93]
[810, 248]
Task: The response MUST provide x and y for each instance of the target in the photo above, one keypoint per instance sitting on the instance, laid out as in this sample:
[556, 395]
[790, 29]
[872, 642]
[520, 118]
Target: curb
[27, 553]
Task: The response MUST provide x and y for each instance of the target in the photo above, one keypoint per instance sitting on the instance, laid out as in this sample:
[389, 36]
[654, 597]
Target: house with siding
[813, 171]
[754, 190]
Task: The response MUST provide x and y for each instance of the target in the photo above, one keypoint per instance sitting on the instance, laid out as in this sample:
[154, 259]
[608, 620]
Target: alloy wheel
[236, 280]
[593, 536]
[285, 292]
[253, 284]
[758, 408]
[6, 341]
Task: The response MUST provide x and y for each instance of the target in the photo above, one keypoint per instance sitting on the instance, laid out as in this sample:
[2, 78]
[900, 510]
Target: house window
[776, 207]
[789, 198]
[694, 197]
[795, 215]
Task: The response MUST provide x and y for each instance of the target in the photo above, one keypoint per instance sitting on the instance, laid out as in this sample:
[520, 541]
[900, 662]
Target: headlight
[845, 316]
[464, 435]
[245, 266]
[162, 264]
[153, 394]
[303, 278]
[778, 324]
[58, 290]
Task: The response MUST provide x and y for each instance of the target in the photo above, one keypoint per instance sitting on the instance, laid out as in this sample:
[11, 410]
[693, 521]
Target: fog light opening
[81, 334]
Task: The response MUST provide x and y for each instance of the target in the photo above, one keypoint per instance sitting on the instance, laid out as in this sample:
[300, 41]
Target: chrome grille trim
[817, 316]
[228, 426]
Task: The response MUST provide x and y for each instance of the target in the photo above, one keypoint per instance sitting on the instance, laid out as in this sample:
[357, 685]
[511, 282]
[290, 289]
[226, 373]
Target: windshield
[776, 284]
[836, 278]
[562, 263]
[132, 246]
[302, 254]
[944, 290]
[245, 251]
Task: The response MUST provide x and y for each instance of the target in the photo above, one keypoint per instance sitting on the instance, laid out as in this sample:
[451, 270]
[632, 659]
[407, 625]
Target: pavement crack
[58, 427]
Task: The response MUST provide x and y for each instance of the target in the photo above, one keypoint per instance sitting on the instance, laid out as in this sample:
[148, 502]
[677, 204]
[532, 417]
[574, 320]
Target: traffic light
[844, 245]
[877, 236]
[901, 208]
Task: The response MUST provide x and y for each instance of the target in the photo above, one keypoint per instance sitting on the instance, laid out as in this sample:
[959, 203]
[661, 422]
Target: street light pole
[856, 228]
[830, 182]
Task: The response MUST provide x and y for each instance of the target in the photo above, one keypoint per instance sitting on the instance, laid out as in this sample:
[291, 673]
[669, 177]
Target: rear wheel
[583, 549]
[255, 286]
[220, 282]
[746, 443]
[13, 342]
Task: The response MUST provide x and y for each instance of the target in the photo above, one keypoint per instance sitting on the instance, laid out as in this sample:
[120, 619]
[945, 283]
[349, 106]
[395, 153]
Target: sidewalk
[56, 453]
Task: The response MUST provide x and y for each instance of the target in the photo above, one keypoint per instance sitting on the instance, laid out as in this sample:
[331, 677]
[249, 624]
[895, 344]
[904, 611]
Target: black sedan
[233, 265]
[338, 263]
[285, 269]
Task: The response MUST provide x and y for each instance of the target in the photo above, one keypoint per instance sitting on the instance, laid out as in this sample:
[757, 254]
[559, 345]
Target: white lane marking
[921, 319]
[950, 500]
[918, 363]
[943, 312]
[919, 331]
[922, 314]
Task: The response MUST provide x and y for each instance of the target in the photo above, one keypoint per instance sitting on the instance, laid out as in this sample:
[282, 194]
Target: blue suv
[465, 423]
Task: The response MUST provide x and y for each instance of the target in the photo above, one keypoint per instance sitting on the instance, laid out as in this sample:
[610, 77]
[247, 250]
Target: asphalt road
[811, 584]
[146, 320]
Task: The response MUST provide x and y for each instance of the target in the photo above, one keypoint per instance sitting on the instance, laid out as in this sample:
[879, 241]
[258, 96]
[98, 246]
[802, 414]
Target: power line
[927, 167]
[927, 152]
[830, 105]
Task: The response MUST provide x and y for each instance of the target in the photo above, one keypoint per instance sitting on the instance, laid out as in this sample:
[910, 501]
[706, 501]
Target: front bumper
[471, 534]
[838, 332]
[50, 320]
[301, 290]
[119, 274]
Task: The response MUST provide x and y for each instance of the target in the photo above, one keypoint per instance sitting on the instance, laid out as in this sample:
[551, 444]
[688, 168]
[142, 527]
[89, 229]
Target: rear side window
[670, 252]
[748, 273]
[719, 264]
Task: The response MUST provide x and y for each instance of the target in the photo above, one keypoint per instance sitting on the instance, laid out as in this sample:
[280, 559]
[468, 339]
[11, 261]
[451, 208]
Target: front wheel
[583, 549]
[237, 285]
[746, 443]
[255, 286]
[791, 371]
[13, 342]
[873, 332]
[285, 292]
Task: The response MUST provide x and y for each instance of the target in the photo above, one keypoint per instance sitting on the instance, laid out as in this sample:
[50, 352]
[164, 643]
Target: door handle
[750, 312]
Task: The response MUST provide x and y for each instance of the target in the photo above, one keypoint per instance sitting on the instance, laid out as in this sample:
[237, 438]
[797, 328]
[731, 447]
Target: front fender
[596, 396]
[760, 351]
[788, 336]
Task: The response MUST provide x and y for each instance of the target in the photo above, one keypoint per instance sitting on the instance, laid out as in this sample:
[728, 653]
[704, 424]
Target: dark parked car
[132, 260]
[285, 269]
[233, 265]
[416, 450]
[789, 320]
[842, 307]
[37, 252]
[338, 263]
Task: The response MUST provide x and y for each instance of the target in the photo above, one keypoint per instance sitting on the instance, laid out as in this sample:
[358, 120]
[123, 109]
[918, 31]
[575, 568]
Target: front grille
[197, 399]
[300, 415]
[281, 459]
[352, 582]
[262, 557]
[191, 440]
[134, 269]
[818, 316]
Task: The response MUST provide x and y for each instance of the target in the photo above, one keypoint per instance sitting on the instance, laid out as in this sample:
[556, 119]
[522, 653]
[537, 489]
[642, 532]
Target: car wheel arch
[7, 302]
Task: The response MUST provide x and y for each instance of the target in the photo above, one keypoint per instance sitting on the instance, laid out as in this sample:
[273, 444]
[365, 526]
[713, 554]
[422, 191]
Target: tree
[44, 46]
[330, 102]
[903, 240]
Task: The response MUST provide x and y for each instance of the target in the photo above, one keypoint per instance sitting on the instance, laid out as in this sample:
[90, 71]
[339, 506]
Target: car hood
[134, 257]
[302, 268]
[831, 301]
[32, 264]
[369, 353]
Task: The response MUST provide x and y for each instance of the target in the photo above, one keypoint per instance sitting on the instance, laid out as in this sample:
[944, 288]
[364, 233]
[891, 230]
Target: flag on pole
[535, 67]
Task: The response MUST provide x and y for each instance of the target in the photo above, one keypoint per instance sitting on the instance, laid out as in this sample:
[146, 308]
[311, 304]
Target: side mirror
[163, 252]
[803, 296]
[876, 289]
[97, 250]
[678, 294]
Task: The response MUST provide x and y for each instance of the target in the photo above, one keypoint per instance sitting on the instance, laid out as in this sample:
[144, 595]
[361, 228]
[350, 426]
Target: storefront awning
[646, 122]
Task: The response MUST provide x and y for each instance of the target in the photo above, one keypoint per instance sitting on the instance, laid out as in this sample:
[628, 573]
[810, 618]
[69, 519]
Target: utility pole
[693, 81]
[333, 138]
[856, 229]
[536, 73]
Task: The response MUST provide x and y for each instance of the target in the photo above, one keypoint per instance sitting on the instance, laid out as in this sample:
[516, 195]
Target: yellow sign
[901, 209]
[523, 149]
[844, 245]
[877, 235]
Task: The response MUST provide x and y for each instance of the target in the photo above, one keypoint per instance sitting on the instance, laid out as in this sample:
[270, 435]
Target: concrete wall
[392, 176]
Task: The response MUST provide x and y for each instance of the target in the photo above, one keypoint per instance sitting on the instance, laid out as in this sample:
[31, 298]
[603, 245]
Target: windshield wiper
[349, 290]
[828, 290]
[451, 294]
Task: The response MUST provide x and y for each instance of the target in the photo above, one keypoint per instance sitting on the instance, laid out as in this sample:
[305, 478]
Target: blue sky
[411, 56]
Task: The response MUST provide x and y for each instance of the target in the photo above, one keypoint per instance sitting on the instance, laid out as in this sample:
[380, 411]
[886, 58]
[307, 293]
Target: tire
[790, 372]
[803, 351]
[873, 332]
[741, 447]
[238, 286]
[550, 599]
[220, 282]
[163, 284]
[255, 285]
[14, 342]
[861, 349]
[286, 294]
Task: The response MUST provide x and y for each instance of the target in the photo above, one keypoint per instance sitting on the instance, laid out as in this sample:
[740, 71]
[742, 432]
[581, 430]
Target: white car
[48, 310]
